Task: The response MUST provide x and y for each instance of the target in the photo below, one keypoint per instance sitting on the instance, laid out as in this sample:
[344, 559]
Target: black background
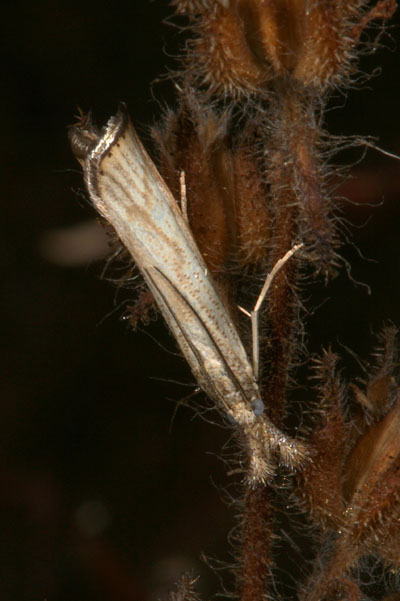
[83, 424]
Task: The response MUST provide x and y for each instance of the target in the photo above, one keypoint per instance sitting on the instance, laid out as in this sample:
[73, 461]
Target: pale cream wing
[127, 189]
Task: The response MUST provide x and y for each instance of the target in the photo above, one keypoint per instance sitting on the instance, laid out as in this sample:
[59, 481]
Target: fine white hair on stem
[381, 150]
[126, 188]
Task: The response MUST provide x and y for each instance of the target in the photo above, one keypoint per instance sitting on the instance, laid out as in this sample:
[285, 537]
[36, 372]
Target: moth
[126, 188]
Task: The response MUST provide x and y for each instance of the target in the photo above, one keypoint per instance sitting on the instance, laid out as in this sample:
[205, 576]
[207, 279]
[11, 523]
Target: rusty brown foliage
[247, 142]
[256, 185]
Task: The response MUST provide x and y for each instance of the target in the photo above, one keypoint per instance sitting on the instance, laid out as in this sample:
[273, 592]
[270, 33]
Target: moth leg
[255, 312]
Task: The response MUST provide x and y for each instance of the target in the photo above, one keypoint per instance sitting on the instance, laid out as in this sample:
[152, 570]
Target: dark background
[103, 495]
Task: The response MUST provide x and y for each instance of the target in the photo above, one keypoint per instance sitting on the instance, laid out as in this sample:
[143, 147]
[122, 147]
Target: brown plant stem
[256, 543]
[333, 571]
[282, 308]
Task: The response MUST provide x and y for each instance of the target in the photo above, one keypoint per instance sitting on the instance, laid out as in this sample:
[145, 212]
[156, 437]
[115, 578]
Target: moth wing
[127, 189]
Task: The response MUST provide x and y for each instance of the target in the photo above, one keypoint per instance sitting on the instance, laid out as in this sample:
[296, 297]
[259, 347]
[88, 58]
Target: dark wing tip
[84, 134]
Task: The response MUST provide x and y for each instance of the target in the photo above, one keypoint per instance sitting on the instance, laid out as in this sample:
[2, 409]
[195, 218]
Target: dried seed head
[194, 142]
[372, 479]
[220, 56]
[225, 193]
[242, 45]
[273, 30]
[327, 47]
